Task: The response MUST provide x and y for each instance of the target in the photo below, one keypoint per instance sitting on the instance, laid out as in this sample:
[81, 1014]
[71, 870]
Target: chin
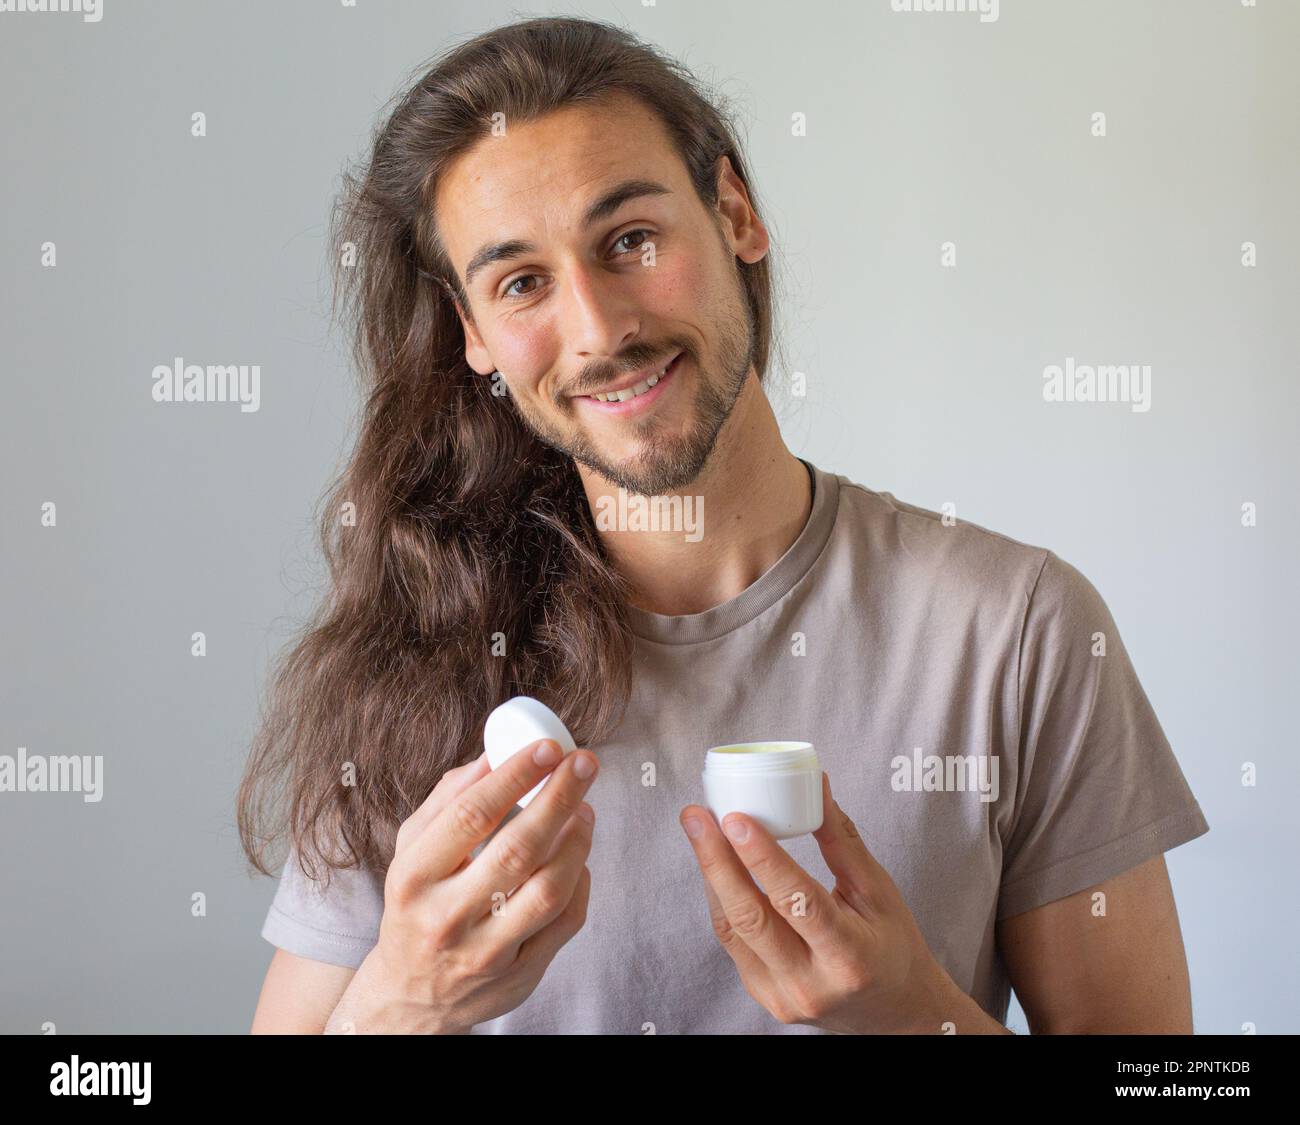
[659, 470]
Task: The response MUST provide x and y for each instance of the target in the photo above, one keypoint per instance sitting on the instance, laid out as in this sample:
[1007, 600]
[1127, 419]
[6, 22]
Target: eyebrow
[605, 206]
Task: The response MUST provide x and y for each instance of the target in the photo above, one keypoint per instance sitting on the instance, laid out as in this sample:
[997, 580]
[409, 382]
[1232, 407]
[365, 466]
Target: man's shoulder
[942, 572]
[921, 549]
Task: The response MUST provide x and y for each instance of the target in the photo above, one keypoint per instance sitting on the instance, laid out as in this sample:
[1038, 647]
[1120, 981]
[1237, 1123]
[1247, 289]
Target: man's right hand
[463, 940]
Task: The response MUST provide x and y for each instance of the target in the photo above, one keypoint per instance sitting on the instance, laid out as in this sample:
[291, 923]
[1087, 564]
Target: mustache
[595, 377]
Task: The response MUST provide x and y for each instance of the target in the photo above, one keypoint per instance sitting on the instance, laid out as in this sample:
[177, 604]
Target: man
[553, 210]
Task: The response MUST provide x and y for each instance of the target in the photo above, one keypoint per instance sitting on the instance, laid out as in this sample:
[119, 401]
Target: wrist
[373, 1005]
[930, 1003]
[947, 1010]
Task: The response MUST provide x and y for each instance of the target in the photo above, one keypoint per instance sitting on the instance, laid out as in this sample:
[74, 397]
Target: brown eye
[509, 288]
[632, 234]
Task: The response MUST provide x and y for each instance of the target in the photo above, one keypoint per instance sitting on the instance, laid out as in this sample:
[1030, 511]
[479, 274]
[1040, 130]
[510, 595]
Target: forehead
[536, 180]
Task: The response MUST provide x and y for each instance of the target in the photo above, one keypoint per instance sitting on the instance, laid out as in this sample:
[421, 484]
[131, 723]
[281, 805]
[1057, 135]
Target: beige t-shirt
[891, 642]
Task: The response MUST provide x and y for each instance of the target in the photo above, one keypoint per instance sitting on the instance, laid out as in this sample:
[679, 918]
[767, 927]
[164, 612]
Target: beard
[666, 463]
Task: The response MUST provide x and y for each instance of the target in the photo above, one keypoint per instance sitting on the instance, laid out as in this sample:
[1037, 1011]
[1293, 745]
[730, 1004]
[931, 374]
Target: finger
[540, 949]
[522, 845]
[555, 844]
[748, 911]
[856, 871]
[540, 898]
[443, 842]
[749, 964]
[452, 783]
[795, 895]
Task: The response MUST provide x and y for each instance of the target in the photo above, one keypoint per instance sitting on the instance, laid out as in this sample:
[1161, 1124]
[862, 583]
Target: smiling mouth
[637, 389]
[633, 401]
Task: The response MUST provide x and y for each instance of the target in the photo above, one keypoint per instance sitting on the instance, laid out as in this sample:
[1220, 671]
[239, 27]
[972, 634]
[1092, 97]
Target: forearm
[950, 1011]
[370, 1006]
[967, 1017]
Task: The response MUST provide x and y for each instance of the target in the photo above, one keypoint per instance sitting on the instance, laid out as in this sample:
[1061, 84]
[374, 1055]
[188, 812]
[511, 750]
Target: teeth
[630, 392]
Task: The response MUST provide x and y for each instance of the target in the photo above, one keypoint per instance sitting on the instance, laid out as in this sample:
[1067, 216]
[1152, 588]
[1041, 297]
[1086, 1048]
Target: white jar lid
[517, 723]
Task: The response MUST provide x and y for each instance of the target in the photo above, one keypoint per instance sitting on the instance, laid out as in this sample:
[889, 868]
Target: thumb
[844, 850]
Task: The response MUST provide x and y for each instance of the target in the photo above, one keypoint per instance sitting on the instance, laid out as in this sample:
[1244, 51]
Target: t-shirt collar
[764, 592]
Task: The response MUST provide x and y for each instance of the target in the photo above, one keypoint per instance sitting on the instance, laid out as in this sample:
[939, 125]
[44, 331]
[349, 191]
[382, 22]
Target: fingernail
[585, 766]
[587, 813]
[547, 754]
[693, 827]
[737, 829]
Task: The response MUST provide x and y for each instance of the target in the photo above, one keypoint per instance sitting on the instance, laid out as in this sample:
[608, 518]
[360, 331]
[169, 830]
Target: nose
[600, 315]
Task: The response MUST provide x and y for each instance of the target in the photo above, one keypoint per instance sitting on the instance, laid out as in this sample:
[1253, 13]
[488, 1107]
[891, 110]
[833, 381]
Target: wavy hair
[464, 564]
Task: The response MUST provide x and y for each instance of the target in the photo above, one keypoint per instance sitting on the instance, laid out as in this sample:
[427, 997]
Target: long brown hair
[463, 558]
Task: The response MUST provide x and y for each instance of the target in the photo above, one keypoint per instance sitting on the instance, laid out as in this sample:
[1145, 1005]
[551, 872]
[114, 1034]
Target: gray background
[923, 381]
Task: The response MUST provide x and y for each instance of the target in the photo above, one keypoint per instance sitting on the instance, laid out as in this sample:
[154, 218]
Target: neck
[749, 503]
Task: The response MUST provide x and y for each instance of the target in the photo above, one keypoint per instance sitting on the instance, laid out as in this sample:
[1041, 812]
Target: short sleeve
[339, 925]
[1098, 789]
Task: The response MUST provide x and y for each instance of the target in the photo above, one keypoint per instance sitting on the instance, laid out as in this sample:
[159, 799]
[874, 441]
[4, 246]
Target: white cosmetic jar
[779, 784]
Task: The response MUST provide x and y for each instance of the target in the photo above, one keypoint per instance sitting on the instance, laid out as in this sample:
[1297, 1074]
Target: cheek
[675, 286]
[523, 352]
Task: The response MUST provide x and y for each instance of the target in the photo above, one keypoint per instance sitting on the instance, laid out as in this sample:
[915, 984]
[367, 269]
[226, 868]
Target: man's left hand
[851, 960]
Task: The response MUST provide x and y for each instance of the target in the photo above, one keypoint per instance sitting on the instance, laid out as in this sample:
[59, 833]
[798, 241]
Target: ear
[741, 226]
[476, 353]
